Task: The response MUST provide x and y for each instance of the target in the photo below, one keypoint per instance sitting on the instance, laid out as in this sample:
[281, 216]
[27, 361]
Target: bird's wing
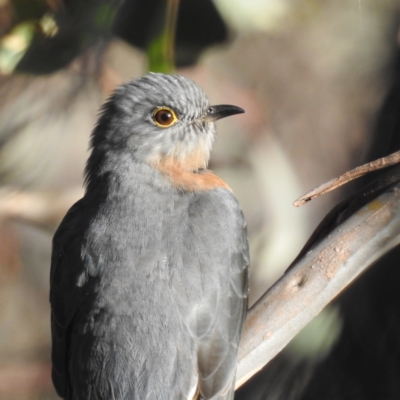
[223, 249]
[67, 278]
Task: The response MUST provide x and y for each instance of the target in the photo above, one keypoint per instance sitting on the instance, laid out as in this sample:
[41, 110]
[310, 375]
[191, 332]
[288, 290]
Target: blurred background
[319, 82]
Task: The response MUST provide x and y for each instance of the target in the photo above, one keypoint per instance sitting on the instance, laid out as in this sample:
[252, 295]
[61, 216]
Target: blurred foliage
[161, 50]
[25, 10]
[14, 45]
[47, 35]
[198, 26]
[156, 56]
[30, 45]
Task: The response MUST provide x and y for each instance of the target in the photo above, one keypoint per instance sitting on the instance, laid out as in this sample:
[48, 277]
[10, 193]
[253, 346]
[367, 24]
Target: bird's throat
[188, 174]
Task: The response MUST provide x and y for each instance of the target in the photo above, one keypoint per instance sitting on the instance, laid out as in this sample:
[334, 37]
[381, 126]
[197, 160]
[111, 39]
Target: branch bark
[316, 278]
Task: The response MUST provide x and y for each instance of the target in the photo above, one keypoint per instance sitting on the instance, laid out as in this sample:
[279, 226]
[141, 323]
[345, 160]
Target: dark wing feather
[67, 278]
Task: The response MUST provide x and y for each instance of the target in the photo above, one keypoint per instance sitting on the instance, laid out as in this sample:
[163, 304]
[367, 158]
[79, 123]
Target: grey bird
[149, 269]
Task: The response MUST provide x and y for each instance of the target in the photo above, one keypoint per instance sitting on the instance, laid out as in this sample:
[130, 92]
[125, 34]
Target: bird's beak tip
[215, 113]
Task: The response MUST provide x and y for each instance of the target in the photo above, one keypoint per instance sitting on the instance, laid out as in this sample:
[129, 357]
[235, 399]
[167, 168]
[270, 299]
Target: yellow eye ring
[164, 117]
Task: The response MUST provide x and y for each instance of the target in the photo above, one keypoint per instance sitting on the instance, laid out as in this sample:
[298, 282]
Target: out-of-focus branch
[316, 278]
[42, 208]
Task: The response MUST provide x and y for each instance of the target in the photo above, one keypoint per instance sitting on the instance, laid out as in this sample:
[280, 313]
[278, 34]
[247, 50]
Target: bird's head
[157, 119]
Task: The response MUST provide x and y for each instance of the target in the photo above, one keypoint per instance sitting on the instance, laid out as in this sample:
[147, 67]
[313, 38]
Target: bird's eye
[164, 117]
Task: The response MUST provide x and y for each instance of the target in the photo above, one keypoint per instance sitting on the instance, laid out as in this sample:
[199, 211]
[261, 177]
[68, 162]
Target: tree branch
[316, 278]
[384, 162]
[42, 208]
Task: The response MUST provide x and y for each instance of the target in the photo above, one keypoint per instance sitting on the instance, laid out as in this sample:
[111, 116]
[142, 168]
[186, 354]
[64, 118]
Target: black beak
[215, 113]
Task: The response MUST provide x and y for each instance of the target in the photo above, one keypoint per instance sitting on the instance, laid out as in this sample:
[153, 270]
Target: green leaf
[158, 62]
[14, 45]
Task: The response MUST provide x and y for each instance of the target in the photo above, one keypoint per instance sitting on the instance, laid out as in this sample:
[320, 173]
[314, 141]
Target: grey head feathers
[126, 127]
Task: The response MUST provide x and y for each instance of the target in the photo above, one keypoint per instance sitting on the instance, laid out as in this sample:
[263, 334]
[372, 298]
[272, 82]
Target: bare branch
[316, 278]
[42, 208]
[348, 176]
